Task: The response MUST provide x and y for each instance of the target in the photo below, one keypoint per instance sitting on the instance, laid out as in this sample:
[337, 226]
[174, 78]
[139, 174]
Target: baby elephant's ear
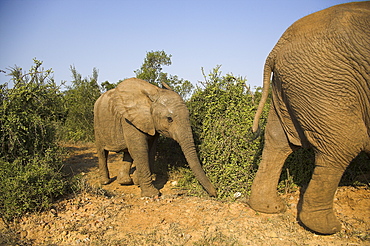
[131, 102]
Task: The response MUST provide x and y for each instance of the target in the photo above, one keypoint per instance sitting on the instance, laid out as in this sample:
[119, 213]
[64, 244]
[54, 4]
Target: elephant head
[153, 110]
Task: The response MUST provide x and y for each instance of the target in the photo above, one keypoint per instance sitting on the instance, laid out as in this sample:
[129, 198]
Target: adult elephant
[320, 99]
[130, 118]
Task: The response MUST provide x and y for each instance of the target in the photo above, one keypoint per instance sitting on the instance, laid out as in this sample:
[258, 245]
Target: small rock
[271, 234]
[46, 226]
[187, 237]
[237, 195]
[54, 212]
[23, 234]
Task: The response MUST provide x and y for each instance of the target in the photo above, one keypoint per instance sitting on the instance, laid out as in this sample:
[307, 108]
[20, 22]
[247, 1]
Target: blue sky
[114, 36]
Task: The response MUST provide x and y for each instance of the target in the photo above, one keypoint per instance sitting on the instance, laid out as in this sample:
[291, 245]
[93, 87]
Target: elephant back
[325, 58]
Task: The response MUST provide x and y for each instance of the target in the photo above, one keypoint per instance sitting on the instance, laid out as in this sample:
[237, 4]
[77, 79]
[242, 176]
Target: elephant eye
[169, 119]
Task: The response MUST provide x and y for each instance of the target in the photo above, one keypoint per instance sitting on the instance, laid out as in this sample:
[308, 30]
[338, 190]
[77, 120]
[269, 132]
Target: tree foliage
[106, 85]
[151, 71]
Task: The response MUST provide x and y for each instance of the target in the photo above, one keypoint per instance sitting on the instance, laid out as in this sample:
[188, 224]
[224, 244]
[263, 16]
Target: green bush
[29, 113]
[222, 113]
[79, 103]
[30, 186]
[30, 159]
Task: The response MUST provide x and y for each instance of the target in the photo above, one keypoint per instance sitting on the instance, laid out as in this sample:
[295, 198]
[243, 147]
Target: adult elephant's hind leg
[332, 158]
[264, 197]
[317, 207]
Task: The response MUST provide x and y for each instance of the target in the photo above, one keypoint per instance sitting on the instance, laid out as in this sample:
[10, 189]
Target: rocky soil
[118, 216]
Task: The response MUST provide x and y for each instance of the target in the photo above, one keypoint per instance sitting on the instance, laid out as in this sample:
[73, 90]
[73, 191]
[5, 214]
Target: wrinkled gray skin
[320, 99]
[130, 118]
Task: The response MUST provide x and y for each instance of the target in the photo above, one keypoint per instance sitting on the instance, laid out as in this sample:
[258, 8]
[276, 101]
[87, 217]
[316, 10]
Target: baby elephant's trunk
[188, 148]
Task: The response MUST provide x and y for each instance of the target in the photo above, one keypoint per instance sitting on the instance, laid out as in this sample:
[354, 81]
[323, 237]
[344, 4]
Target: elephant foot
[124, 179]
[135, 178]
[105, 181]
[128, 180]
[321, 221]
[150, 191]
[264, 204]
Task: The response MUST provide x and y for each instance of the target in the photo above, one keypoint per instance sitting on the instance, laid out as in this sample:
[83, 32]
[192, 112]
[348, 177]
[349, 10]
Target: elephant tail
[265, 92]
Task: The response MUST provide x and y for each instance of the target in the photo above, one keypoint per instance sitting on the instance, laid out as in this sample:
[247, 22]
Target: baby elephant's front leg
[144, 177]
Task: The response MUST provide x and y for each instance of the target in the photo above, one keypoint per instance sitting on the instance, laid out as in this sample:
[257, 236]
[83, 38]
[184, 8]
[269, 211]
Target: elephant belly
[111, 137]
[114, 141]
[116, 148]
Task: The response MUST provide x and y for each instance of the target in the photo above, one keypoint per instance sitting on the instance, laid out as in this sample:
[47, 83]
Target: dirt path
[176, 219]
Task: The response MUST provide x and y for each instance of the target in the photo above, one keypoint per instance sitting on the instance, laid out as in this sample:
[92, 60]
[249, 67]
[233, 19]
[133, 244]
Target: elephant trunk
[188, 148]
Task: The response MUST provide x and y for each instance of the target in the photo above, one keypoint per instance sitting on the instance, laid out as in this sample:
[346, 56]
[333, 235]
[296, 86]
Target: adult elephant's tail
[265, 92]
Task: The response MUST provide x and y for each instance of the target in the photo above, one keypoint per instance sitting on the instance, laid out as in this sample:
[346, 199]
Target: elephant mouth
[164, 133]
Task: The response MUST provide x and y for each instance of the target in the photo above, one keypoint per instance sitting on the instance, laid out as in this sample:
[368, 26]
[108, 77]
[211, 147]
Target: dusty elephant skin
[130, 118]
[321, 99]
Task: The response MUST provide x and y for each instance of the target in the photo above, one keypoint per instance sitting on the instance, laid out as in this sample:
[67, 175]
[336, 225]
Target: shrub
[222, 113]
[30, 186]
[29, 113]
[79, 102]
[30, 159]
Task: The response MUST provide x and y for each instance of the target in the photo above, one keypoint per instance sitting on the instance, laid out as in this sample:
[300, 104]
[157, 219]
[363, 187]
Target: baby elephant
[130, 118]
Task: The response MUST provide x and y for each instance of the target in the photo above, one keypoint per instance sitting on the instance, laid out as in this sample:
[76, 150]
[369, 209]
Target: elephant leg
[264, 197]
[152, 153]
[317, 207]
[124, 174]
[103, 166]
[144, 176]
[135, 178]
[139, 151]
[331, 160]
